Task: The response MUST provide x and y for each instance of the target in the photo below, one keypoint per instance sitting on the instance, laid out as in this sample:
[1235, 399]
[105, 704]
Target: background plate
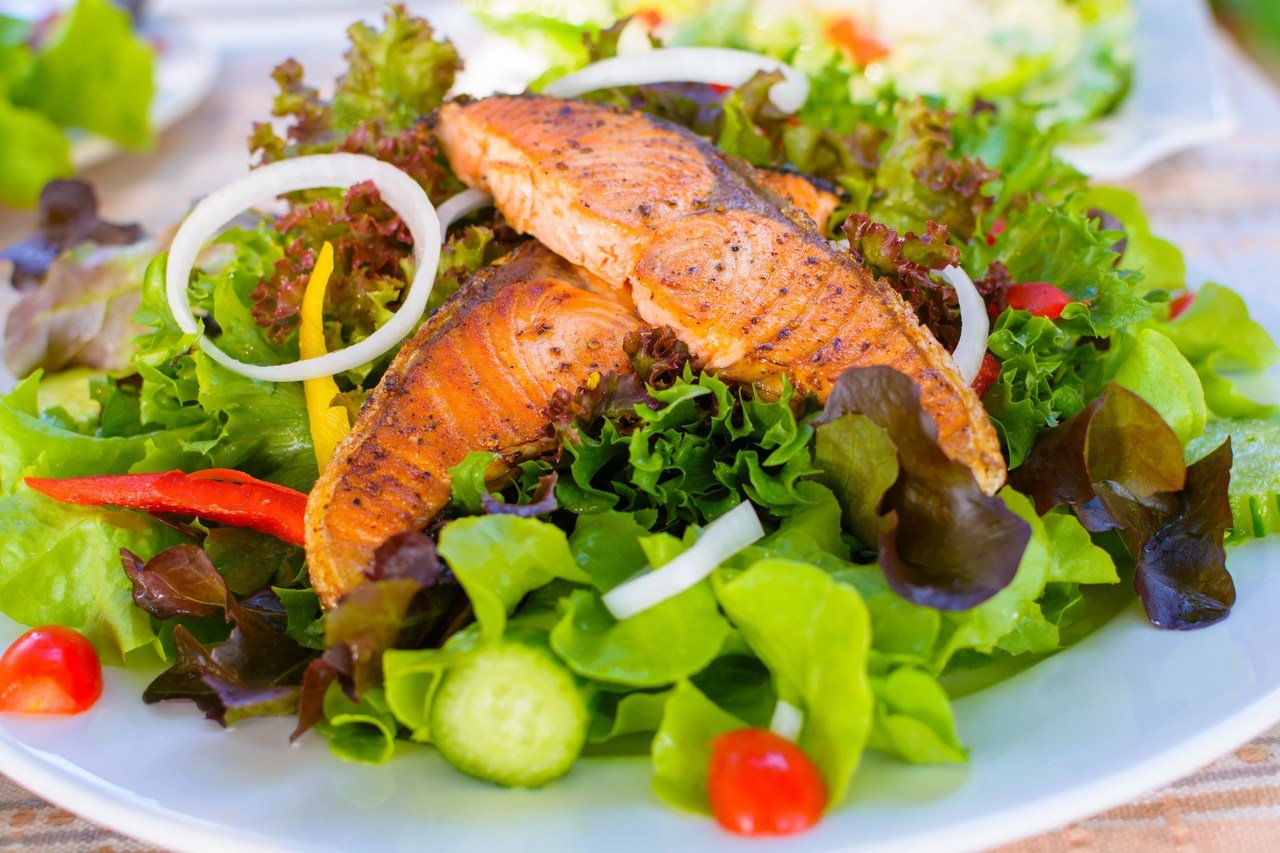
[1179, 100]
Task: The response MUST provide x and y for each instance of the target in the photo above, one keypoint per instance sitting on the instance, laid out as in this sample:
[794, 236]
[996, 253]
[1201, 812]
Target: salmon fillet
[803, 192]
[753, 289]
[477, 376]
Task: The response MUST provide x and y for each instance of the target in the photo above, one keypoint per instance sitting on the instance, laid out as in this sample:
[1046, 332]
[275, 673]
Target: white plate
[186, 69]
[1179, 100]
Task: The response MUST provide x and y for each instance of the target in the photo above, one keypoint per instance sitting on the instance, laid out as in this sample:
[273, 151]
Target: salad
[84, 69]
[1070, 60]
[595, 497]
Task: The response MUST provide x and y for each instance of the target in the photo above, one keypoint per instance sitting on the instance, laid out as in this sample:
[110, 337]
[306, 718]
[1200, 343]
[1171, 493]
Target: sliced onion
[720, 540]
[401, 193]
[787, 722]
[975, 325]
[463, 204]
[717, 65]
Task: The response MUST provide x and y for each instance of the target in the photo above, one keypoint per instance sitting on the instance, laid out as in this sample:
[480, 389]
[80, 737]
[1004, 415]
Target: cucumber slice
[511, 714]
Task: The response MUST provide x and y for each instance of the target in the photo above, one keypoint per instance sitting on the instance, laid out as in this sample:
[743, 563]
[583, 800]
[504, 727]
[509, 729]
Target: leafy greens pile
[87, 70]
[885, 575]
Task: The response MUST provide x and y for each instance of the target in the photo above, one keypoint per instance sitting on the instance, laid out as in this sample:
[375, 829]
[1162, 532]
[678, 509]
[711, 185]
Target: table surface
[1220, 204]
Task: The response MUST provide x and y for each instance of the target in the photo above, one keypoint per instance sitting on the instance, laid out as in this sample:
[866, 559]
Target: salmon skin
[477, 376]
[749, 285]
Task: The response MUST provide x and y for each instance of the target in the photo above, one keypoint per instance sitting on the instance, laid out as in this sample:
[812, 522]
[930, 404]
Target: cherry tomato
[1180, 304]
[987, 374]
[651, 18]
[857, 41]
[719, 88]
[761, 784]
[50, 670]
[1042, 300]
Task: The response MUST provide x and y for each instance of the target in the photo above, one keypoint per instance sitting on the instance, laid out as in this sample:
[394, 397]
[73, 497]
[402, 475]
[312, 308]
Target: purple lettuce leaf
[1119, 466]
[946, 544]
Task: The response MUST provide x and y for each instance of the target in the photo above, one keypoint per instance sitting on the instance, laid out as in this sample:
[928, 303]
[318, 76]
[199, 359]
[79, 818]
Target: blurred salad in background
[1069, 59]
[83, 69]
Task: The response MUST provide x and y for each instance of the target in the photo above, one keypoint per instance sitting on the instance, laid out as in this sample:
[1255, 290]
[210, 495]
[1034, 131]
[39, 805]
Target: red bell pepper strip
[1042, 300]
[988, 373]
[1180, 304]
[227, 497]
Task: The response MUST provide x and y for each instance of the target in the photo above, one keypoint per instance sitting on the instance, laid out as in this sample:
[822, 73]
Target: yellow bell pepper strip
[329, 423]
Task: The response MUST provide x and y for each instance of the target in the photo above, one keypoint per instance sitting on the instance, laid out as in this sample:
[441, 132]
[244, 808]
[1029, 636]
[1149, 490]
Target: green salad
[885, 583]
[1069, 60]
[82, 70]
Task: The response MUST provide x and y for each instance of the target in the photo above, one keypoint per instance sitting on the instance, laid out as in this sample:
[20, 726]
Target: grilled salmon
[477, 376]
[749, 285]
[802, 192]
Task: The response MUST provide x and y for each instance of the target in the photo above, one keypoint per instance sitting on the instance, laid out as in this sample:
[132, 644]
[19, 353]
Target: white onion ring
[717, 65]
[787, 721]
[401, 193]
[975, 325]
[720, 540]
[463, 204]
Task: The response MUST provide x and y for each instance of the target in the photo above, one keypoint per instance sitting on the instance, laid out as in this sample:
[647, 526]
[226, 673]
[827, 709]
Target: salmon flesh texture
[749, 285]
[478, 375]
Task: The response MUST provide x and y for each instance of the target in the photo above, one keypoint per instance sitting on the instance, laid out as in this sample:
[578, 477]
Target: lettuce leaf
[33, 151]
[1255, 472]
[1221, 340]
[914, 720]
[60, 565]
[500, 558]
[813, 633]
[670, 641]
[682, 747]
[942, 542]
[1120, 467]
[93, 72]
[1155, 371]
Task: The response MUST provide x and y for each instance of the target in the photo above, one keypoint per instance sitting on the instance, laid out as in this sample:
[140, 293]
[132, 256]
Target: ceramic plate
[1178, 101]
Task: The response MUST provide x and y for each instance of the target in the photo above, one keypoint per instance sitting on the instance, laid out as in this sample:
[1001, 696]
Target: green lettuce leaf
[813, 633]
[1221, 341]
[1254, 490]
[914, 719]
[60, 565]
[33, 151]
[682, 747]
[667, 642]
[500, 558]
[361, 732]
[93, 72]
[1157, 372]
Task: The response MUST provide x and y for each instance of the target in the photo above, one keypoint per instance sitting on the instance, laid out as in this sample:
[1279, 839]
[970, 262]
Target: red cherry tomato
[719, 88]
[988, 373]
[1042, 300]
[50, 670]
[761, 784]
[1182, 303]
[858, 42]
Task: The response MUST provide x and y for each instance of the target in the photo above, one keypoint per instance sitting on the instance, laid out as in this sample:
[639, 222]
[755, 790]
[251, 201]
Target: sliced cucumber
[511, 714]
